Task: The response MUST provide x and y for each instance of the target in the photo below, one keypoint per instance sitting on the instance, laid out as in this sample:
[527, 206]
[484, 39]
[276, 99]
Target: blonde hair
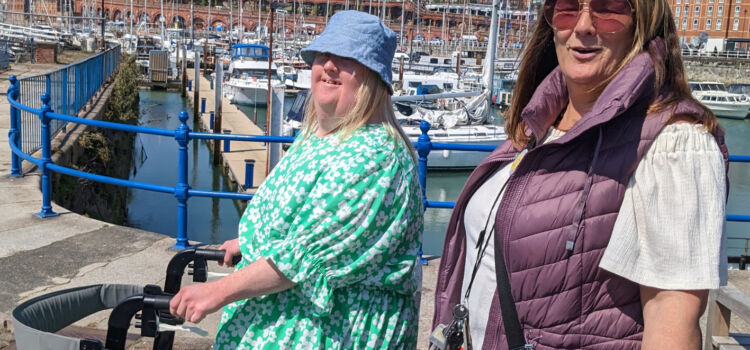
[652, 19]
[373, 98]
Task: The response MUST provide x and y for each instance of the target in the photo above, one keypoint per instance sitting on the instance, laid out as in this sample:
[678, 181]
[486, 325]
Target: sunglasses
[607, 16]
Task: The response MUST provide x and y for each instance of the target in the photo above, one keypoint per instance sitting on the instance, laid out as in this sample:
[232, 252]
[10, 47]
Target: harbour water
[210, 220]
[215, 220]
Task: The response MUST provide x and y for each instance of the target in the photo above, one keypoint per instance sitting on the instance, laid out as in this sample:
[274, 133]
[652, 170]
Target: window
[737, 1]
[687, 2]
[708, 24]
[684, 24]
[677, 11]
[710, 12]
[736, 24]
[736, 11]
[710, 1]
[718, 24]
[697, 11]
[720, 11]
[695, 24]
[679, 2]
[697, 1]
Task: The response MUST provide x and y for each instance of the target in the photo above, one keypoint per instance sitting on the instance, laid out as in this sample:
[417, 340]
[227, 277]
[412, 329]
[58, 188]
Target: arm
[261, 277]
[670, 318]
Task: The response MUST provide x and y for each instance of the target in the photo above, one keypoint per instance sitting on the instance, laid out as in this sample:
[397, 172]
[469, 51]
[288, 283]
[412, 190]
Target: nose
[585, 24]
[329, 65]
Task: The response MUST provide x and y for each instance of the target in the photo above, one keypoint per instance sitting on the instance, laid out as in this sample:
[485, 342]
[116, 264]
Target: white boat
[247, 82]
[480, 134]
[428, 63]
[469, 124]
[722, 103]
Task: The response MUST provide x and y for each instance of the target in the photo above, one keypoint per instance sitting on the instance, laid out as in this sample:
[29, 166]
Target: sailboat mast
[161, 22]
[403, 14]
[242, 28]
[505, 29]
[489, 64]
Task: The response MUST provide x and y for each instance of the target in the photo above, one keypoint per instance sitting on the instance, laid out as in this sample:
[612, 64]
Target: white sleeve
[670, 231]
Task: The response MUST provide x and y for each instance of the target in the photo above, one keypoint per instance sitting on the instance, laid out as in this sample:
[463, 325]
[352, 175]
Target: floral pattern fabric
[343, 220]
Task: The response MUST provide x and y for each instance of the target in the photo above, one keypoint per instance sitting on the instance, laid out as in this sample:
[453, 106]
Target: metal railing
[183, 135]
[719, 54]
[70, 88]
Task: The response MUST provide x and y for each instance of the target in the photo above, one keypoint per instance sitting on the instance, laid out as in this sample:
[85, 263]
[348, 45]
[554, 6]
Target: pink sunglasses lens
[609, 16]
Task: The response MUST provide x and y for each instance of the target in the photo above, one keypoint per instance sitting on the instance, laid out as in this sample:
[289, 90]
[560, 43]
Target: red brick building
[727, 19]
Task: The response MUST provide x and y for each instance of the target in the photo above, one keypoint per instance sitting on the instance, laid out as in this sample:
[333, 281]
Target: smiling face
[335, 82]
[587, 57]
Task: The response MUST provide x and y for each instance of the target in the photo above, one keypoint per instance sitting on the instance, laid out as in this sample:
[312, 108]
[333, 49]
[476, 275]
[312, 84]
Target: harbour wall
[724, 70]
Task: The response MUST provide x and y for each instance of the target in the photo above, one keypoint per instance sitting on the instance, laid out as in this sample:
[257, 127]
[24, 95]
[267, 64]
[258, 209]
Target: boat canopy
[252, 51]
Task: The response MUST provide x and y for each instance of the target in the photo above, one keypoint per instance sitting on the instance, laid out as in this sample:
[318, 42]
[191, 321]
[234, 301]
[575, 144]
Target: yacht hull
[485, 135]
[247, 95]
[731, 111]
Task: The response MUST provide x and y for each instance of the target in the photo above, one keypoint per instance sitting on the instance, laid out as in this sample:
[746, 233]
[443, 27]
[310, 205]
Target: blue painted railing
[70, 88]
[182, 135]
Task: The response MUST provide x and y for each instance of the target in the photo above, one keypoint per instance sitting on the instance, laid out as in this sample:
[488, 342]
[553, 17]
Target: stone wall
[727, 71]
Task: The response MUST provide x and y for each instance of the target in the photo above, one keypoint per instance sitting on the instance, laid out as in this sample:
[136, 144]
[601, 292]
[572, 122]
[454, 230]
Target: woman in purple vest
[606, 204]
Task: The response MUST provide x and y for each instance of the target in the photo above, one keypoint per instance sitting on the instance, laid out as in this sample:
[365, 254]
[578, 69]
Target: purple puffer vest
[568, 190]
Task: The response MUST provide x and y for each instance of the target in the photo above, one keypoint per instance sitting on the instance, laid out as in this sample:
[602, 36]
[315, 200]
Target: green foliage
[104, 152]
[122, 106]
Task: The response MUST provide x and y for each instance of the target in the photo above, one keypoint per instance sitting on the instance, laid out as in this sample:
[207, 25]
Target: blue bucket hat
[360, 36]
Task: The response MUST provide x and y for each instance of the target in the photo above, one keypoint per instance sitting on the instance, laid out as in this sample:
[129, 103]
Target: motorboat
[473, 134]
[248, 76]
[721, 102]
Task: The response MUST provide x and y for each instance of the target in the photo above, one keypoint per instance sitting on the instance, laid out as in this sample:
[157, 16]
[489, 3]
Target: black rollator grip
[215, 255]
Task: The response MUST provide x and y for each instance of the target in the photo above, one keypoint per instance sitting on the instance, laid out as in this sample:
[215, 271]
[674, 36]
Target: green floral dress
[343, 220]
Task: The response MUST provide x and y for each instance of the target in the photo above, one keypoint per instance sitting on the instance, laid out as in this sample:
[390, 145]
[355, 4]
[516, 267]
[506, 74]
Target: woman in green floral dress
[329, 242]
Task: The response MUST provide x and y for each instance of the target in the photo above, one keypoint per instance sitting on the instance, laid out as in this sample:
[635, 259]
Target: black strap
[513, 330]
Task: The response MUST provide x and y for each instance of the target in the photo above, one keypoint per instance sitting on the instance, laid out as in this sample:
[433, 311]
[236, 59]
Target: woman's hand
[670, 318]
[232, 248]
[194, 302]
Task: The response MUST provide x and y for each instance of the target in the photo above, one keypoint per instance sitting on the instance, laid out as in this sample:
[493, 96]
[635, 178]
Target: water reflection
[209, 220]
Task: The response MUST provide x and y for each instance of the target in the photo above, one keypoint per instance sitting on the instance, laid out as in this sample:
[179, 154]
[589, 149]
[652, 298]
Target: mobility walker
[36, 321]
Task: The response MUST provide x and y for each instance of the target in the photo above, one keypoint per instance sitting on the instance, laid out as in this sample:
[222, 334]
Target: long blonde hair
[372, 98]
[652, 19]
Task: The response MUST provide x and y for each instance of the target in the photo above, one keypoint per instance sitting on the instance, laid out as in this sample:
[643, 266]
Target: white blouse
[669, 233]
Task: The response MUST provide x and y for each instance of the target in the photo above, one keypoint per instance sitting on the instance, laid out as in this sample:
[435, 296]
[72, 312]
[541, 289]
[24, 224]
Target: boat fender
[171, 49]
[446, 153]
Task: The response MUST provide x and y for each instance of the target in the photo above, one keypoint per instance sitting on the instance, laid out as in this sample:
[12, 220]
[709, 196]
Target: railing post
[249, 169]
[423, 149]
[64, 92]
[14, 134]
[48, 85]
[182, 136]
[46, 182]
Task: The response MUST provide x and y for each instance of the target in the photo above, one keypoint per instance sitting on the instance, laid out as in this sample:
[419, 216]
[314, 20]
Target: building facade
[700, 20]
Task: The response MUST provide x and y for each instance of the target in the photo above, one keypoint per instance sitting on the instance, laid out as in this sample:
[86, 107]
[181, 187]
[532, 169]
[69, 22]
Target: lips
[331, 82]
[582, 53]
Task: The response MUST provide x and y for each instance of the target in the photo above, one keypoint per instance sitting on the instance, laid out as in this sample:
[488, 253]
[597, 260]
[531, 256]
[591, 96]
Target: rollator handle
[154, 307]
[216, 255]
[198, 258]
